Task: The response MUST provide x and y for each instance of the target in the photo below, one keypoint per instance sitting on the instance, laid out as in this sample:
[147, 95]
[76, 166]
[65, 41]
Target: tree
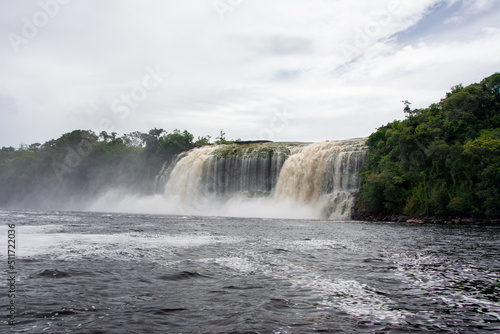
[176, 142]
[407, 109]
[151, 139]
[443, 159]
[221, 139]
[34, 147]
[202, 141]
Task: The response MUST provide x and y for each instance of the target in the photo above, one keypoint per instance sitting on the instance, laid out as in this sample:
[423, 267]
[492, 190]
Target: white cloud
[236, 74]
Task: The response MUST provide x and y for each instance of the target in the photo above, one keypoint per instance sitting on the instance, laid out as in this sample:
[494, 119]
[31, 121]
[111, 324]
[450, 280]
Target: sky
[281, 70]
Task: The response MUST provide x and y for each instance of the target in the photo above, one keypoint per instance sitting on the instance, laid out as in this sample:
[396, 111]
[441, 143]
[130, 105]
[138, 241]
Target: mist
[237, 206]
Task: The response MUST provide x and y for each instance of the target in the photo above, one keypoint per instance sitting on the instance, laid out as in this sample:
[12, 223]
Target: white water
[185, 182]
[305, 181]
[323, 175]
[316, 181]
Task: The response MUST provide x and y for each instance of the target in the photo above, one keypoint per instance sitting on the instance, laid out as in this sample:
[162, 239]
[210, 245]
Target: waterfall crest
[320, 176]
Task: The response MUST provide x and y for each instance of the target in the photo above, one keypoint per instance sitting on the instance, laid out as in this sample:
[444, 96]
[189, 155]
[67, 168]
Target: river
[84, 272]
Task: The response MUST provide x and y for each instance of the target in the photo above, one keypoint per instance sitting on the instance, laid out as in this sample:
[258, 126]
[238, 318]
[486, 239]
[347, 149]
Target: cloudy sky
[285, 70]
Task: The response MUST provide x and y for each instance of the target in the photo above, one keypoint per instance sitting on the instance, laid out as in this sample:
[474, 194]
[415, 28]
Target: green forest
[81, 163]
[440, 160]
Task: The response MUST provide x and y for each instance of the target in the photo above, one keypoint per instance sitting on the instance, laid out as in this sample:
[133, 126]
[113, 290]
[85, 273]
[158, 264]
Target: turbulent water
[312, 180]
[126, 273]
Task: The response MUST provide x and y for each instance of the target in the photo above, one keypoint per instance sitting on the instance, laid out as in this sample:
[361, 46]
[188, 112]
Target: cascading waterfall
[252, 170]
[185, 180]
[324, 175]
[321, 176]
[162, 178]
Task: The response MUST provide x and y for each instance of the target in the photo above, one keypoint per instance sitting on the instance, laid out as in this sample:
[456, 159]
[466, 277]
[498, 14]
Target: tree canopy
[81, 163]
[440, 160]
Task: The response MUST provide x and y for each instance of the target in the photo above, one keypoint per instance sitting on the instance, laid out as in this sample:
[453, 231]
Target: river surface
[81, 272]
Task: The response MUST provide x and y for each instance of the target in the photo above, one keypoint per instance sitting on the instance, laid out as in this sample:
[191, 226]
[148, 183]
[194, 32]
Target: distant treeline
[65, 172]
[441, 160]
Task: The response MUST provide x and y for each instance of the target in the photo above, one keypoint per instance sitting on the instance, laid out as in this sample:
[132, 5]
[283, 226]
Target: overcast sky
[285, 70]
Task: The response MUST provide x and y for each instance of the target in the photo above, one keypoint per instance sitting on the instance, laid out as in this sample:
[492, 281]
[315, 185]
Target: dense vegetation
[441, 160]
[66, 171]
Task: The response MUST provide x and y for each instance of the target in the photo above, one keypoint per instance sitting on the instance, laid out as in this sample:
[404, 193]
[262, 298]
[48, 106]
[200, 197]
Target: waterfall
[185, 180]
[162, 178]
[321, 176]
[324, 175]
[251, 170]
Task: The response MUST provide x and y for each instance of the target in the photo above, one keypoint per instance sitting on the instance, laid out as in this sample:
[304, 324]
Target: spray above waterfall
[290, 180]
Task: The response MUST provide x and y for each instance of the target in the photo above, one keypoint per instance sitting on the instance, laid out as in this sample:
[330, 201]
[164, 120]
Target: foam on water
[316, 244]
[427, 272]
[350, 296]
[254, 275]
[48, 240]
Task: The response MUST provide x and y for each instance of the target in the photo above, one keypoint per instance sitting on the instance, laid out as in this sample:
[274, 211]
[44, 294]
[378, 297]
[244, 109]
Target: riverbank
[417, 219]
